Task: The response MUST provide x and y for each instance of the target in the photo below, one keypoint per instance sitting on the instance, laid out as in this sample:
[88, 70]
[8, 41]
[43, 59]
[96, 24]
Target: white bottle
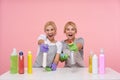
[44, 64]
[72, 57]
[95, 64]
[44, 59]
[101, 62]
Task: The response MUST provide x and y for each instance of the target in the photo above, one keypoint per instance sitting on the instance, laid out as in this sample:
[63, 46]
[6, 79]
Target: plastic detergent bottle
[44, 59]
[90, 62]
[21, 63]
[45, 51]
[72, 57]
[29, 57]
[14, 62]
[95, 64]
[73, 48]
[101, 62]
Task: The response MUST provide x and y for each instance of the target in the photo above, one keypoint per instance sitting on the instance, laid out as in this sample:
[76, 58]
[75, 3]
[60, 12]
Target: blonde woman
[74, 45]
[54, 46]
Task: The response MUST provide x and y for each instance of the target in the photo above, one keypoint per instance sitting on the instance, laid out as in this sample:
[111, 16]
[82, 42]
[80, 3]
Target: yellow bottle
[90, 62]
[29, 62]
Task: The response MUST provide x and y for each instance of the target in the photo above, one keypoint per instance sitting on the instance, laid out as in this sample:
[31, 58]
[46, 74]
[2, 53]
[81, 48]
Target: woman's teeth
[70, 35]
[50, 35]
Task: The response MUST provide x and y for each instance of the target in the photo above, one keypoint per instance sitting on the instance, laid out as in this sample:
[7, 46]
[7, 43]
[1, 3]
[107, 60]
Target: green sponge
[73, 47]
[63, 57]
[47, 68]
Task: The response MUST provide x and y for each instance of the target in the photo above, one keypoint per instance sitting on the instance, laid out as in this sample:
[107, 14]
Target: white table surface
[62, 74]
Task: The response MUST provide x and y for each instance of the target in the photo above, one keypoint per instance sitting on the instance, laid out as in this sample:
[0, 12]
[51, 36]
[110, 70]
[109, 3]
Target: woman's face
[50, 32]
[70, 32]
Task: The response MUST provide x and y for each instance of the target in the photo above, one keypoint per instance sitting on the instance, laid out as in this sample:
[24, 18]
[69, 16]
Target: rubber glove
[44, 48]
[63, 57]
[73, 47]
[53, 66]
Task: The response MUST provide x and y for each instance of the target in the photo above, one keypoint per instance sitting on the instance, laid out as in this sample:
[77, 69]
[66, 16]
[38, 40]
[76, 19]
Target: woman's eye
[47, 29]
[52, 29]
[73, 29]
[67, 29]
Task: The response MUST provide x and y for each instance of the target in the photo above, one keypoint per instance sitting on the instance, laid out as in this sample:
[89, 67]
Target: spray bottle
[21, 63]
[73, 48]
[72, 57]
[95, 64]
[90, 62]
[14, 62]
[44, 59]
[29, 62]
[44, 48]
[101, 62]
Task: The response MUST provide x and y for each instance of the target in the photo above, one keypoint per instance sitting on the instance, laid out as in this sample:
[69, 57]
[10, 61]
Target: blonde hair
[70, 23]
[50, 23]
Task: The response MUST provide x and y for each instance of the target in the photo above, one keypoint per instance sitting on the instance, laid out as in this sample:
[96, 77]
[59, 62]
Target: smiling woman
[48, 44]
[73, 46]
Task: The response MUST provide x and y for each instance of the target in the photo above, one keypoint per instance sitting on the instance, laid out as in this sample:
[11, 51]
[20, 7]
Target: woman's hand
[40, 42]
[44, 47]
[79, 46]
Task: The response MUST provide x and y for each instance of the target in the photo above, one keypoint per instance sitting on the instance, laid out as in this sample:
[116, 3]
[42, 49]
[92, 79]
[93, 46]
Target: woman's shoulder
[58, 43]
[80, 39]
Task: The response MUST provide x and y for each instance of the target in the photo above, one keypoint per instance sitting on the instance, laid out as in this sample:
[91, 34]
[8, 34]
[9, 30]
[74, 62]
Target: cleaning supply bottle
[29, 57]
[21, 63]
[73, 48]
[101, 62]
[14, 62]
[44, 49]
[72, 57]
[95, 64]
[90, 62]
[44, 59]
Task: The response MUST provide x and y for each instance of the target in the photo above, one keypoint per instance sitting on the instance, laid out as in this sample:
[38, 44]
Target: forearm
[56, 60]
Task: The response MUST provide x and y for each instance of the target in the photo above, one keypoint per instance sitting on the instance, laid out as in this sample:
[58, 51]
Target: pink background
[98, 22]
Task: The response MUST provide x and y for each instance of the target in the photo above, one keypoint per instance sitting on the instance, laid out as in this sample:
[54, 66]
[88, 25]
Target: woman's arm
[59, 50]
[79, 46]
[56, 60]
[80, 43]
[41, 39]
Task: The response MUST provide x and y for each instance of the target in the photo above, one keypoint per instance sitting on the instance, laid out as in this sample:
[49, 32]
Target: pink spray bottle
[101, 62]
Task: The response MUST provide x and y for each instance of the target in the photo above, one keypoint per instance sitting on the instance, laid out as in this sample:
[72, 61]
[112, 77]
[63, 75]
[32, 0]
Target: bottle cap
[20, 53]
[29, 52]
[91, 52]
[14, 51]
[94, 56]
[101, 50]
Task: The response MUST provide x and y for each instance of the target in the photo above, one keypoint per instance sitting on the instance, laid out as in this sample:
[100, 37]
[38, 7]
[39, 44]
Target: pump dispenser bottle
[21, 63]
[101, 62]
[95, 64]
[90, 61]
[14, 62]
[29, 62]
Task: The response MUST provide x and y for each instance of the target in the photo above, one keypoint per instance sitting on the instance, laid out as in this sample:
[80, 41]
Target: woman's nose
[50, 32]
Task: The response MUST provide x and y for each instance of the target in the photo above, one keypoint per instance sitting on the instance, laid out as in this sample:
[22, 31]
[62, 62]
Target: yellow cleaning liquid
[29, 62]
[90, 62]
